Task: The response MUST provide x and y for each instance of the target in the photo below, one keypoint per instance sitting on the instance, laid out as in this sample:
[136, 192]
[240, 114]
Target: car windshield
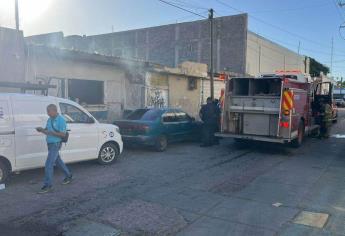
[144, 114]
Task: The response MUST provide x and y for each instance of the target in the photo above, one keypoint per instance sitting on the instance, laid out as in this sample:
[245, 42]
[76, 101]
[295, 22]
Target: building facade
[236, 49]
[108, 86]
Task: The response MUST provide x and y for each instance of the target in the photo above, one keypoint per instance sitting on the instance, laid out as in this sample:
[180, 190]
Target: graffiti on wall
[157, 97]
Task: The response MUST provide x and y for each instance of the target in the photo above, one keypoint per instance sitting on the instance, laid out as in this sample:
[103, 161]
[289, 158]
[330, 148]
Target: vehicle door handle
[68, 130]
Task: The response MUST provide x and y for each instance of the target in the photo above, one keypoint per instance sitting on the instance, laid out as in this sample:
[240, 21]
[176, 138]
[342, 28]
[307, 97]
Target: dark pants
[208, 131]
[324, 129]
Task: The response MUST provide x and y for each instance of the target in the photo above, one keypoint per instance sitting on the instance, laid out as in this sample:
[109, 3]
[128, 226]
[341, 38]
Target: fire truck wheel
[300, 137]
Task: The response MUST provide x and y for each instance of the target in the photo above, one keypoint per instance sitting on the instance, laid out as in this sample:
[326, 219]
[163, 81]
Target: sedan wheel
[108, 153]
[161, 143]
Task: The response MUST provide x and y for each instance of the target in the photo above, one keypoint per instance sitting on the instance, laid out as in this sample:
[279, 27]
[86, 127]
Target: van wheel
[161, 143]
[108, 154]
[4, 172]
[300, 136]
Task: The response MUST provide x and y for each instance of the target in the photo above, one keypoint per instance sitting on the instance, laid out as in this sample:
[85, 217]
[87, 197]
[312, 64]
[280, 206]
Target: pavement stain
[141, 217]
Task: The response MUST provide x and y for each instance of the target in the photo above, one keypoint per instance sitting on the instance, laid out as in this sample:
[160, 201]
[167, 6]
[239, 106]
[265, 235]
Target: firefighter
[326, 119]
[218, 114]
[209, 114]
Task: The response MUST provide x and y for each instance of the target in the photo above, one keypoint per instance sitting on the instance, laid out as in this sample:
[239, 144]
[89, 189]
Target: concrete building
[185, 87]
[265, 56]
[107, 86]
[236, 49]
[12, 55]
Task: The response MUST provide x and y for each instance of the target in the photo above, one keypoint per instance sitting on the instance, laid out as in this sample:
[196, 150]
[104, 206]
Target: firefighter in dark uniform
[326, 119]
[218, 113]
[209, 114]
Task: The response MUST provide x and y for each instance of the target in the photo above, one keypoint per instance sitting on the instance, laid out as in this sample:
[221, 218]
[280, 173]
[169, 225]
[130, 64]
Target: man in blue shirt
[55, 131]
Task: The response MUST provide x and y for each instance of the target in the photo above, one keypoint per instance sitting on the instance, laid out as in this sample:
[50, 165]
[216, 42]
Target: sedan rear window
[145, 114]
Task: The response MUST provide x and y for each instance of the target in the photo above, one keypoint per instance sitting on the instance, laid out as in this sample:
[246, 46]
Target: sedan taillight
[142, 128]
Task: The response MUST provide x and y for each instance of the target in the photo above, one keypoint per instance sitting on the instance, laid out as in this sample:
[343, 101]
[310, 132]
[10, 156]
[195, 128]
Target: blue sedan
[157, 127]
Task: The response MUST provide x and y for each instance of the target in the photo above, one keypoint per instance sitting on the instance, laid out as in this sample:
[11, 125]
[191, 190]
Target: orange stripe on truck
[288, 98]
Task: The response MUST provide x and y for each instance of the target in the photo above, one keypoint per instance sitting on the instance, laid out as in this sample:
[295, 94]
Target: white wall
[265, 56]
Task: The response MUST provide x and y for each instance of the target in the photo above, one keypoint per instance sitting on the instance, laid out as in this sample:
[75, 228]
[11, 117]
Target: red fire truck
[282, 107]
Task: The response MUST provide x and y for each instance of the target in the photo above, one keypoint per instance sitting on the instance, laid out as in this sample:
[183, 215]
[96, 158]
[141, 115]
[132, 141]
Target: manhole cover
[312, 219]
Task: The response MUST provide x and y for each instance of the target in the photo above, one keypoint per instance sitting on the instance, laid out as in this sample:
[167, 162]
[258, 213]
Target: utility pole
[112, 40]
[341, 86]
[332, 56]
[259, 59]
[210, 17]
[17, 14]
[298, 56]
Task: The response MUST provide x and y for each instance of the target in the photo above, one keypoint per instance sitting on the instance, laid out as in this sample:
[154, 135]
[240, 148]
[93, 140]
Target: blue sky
[312, 23]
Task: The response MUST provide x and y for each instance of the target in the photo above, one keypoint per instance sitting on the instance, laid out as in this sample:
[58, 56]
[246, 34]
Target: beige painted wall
[264, 56]
[181, 97]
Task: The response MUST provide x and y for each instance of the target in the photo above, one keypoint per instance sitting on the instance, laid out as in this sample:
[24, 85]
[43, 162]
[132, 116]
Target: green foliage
[316, 68]
[341, 84]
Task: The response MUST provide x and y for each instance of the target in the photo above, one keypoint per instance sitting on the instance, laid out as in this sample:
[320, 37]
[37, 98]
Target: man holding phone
[55, 132]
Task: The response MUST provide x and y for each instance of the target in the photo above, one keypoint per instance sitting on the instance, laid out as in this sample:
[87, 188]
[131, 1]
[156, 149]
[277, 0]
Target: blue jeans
[54, 157]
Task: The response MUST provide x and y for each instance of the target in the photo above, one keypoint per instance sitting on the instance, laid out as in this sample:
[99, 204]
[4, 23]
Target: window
[324, 88]
[73, 114]
[182, 116]
[145, 114]
[169, 117]
[86, 91]
[192, 83]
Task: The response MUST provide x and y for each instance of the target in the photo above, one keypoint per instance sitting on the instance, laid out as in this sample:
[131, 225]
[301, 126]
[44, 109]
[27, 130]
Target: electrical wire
[292, 9]
[271, 25]
[189, 5]
[336, 5]
[183, 9]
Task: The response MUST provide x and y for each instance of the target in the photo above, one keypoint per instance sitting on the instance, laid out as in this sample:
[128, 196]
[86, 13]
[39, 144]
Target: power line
[189, 5]
[181, 8]
[190, 16]
[292, 9]
[275, 40]
[336, 5]
[271, 25]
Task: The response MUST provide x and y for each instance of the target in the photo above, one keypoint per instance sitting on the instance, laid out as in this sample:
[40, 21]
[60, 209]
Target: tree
[341, 83]
[316, 68]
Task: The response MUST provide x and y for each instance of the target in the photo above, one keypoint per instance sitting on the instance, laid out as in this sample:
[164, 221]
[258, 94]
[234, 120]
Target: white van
[22, 147]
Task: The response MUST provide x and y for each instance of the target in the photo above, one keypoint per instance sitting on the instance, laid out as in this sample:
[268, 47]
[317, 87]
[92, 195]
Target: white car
[22, 147]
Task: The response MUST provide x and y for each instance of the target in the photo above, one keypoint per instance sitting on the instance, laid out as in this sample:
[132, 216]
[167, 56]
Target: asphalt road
[188, 190]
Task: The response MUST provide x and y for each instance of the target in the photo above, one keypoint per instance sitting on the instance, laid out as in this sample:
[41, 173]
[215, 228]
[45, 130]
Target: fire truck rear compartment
[254, 107]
